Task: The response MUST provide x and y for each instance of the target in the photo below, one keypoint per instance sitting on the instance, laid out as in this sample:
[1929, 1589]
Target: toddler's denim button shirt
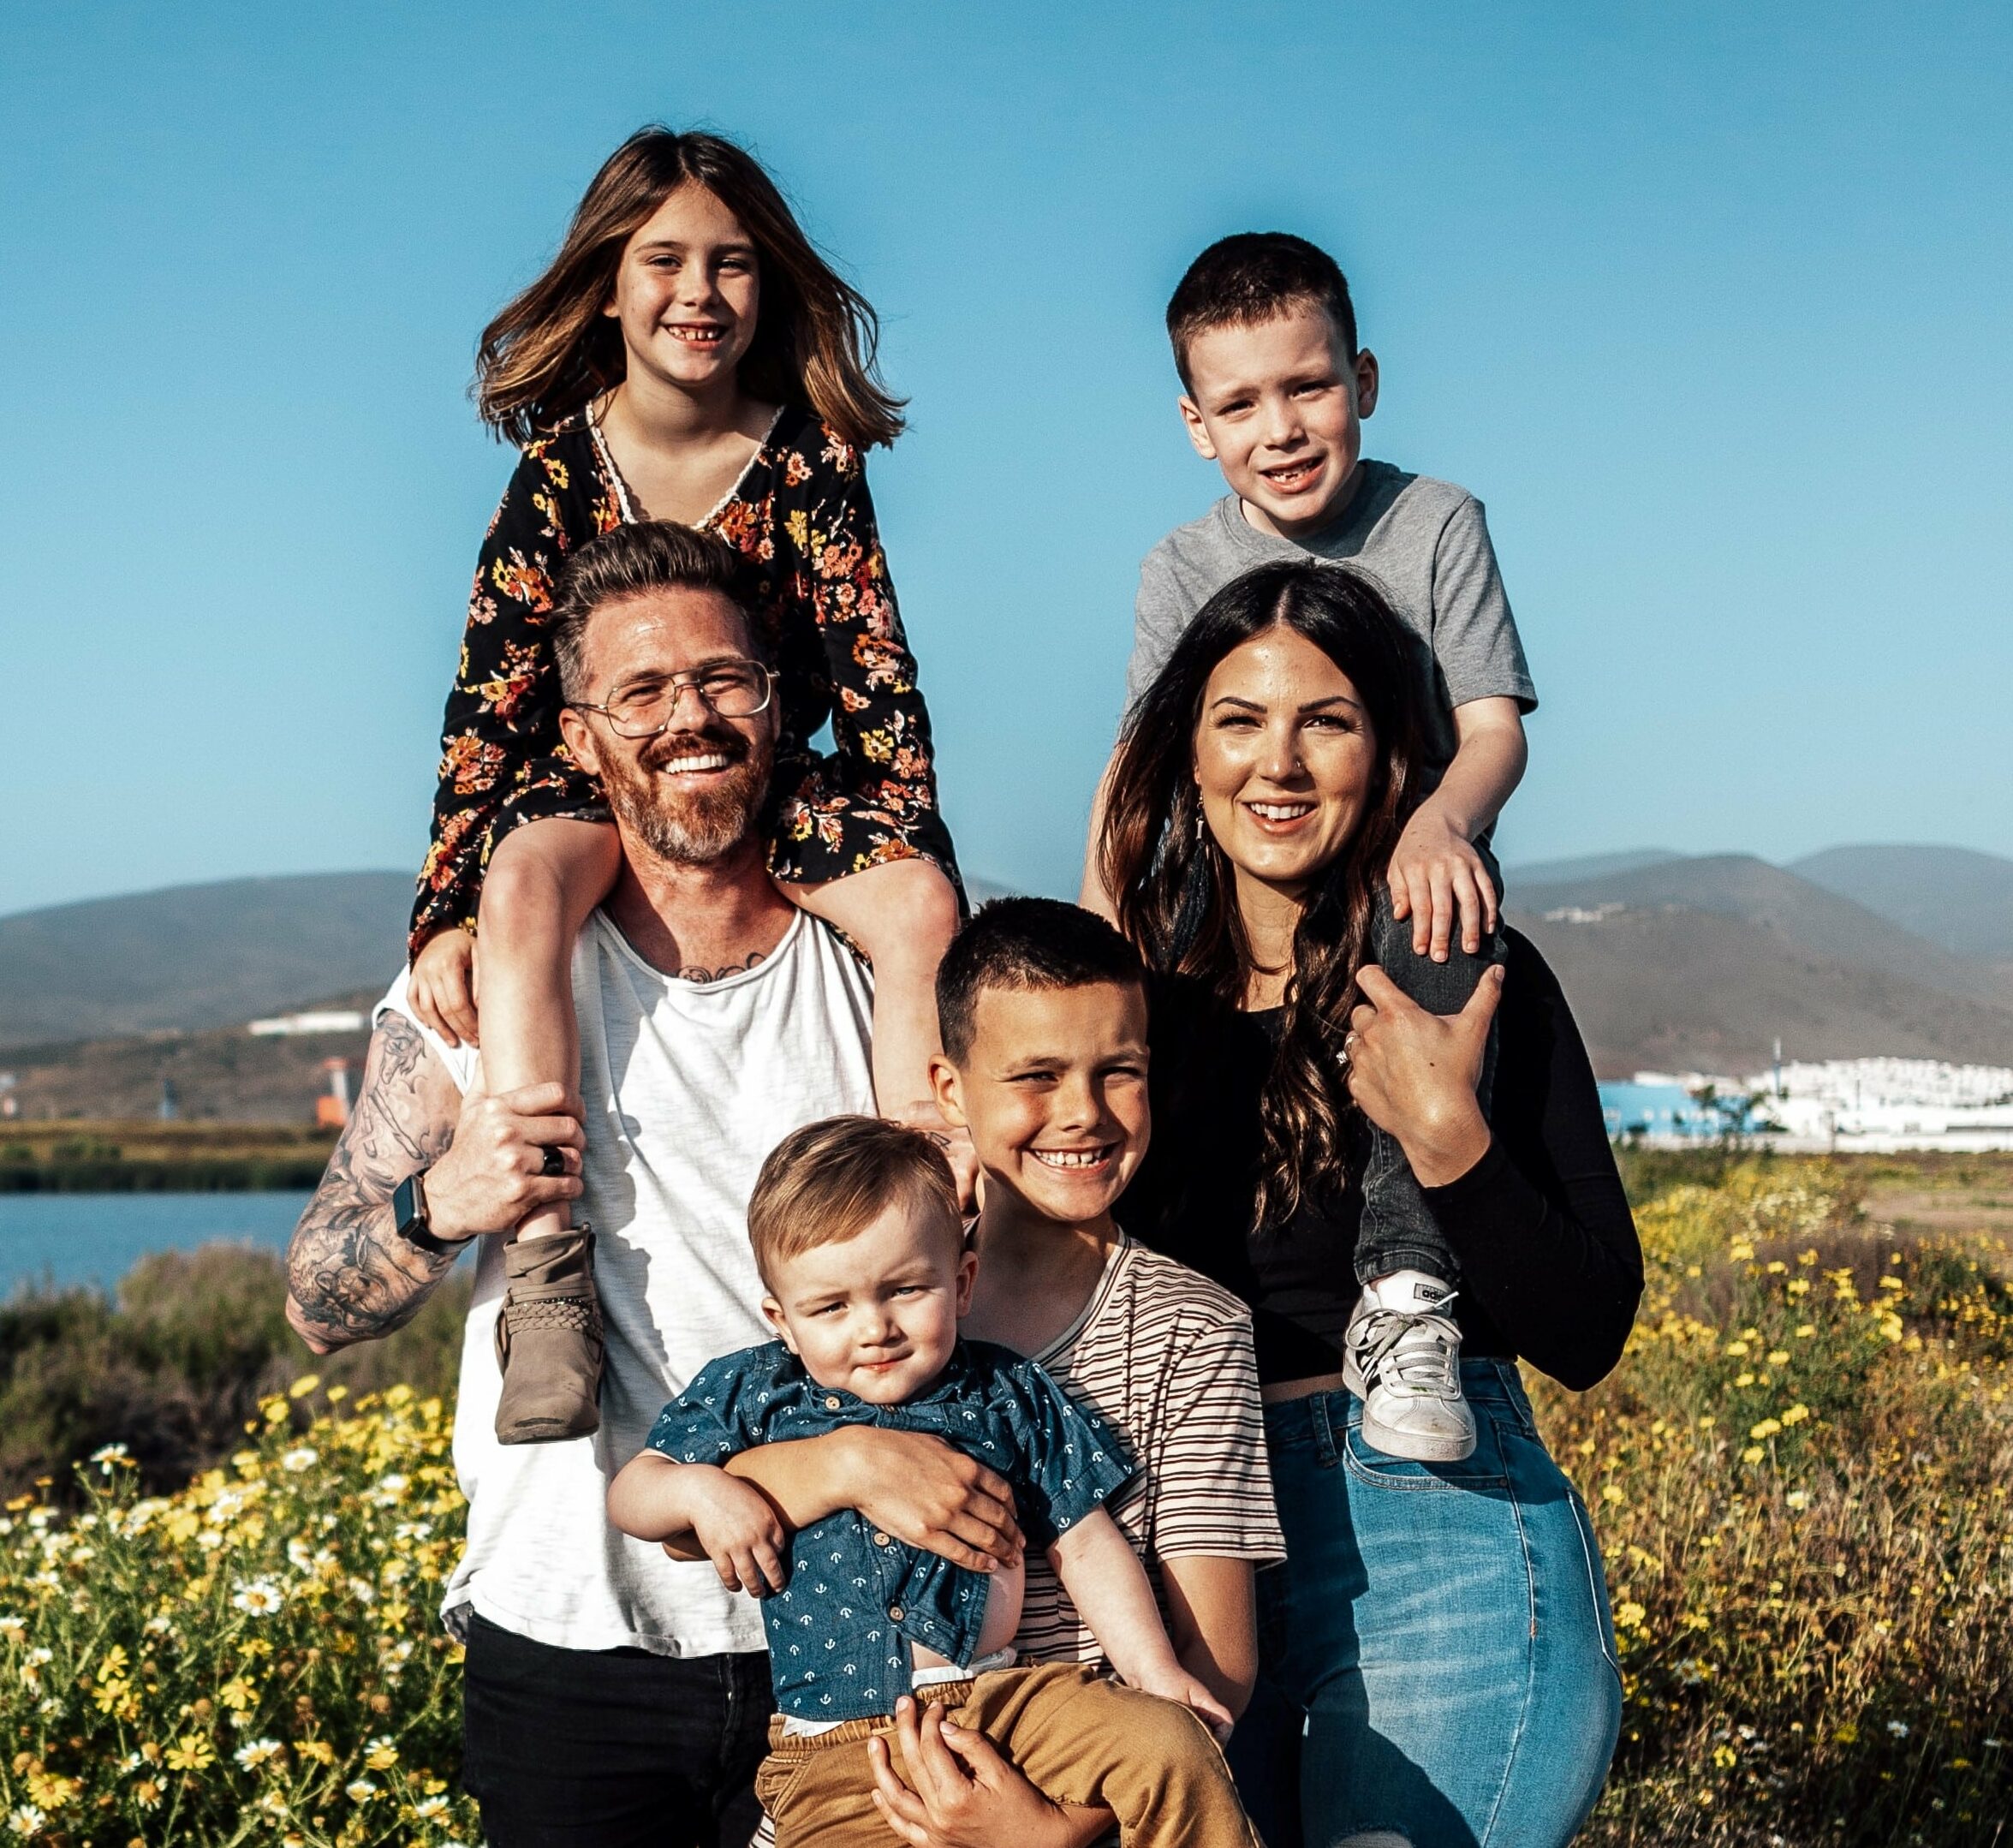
[839, 1632]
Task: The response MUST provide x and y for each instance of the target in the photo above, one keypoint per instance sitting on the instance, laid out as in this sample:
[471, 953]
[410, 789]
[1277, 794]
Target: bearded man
[616, 1695]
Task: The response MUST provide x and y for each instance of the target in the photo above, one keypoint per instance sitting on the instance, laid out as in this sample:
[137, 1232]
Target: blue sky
[1707, 303]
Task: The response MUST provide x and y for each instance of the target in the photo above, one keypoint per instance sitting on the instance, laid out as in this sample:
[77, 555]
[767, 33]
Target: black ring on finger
[554, 1161]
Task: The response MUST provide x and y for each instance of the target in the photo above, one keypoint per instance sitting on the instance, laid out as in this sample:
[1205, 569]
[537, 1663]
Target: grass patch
[175, 1365]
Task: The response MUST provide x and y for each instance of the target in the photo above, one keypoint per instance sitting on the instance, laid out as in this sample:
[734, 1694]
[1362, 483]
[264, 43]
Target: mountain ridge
[1956, 897]
[186, 958]
[1803, 914]
[1763, 950]
[1674, 989]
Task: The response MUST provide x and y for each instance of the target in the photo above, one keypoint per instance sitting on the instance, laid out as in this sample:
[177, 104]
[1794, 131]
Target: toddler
[856, 1231]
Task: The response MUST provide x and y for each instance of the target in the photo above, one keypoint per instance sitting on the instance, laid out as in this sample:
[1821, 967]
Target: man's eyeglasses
[642, 708]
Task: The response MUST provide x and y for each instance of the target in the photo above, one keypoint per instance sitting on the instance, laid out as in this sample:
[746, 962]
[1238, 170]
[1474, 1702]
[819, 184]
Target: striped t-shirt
[1163, 1355]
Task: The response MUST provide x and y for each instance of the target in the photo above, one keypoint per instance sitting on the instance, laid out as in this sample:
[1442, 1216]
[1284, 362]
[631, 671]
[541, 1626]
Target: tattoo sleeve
[351, 1277]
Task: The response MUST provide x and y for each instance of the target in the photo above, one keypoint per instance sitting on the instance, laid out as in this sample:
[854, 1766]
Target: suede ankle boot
[548, 1339]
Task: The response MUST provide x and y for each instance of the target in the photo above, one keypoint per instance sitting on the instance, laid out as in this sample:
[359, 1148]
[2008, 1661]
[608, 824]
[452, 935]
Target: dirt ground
[1936, 1193]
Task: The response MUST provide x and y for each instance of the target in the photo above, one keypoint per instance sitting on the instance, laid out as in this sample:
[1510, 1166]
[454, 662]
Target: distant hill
[1708, 960]
[1667, 989]
[224, 1075]
[195, 957]
[1586, 867]
[1804, 916]
[1957, 898]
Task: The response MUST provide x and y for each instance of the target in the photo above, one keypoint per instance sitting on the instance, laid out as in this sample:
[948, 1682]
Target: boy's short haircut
[829, 1181]
[1250, 277]
[1022, 943]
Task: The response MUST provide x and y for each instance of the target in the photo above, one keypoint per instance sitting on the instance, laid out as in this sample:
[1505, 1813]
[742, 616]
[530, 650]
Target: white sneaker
[1403, 1362]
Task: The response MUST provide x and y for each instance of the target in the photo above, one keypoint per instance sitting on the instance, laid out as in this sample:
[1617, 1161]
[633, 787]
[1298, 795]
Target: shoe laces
[1413, 1353]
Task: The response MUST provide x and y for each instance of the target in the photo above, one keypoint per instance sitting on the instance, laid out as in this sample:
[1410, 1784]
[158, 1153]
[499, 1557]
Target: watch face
[407, 1214]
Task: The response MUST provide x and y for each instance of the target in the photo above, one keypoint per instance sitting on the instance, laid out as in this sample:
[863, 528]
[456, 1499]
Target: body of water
[96, 1238]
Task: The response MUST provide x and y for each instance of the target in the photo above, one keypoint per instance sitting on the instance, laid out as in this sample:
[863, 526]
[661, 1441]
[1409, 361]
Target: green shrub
[174, 1369]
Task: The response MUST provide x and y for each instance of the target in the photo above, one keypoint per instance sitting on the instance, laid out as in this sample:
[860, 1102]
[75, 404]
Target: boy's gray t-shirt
[1426, 544]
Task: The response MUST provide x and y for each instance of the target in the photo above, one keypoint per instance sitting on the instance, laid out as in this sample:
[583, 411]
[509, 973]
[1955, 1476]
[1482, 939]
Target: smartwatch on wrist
[408, 1218]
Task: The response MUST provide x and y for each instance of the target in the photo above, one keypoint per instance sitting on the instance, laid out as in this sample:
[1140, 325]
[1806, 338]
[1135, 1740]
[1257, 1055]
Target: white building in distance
[1874, 1103]
[327, 1020]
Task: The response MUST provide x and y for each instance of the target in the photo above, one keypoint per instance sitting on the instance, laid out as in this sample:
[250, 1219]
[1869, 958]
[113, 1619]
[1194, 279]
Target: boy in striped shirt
[1043, 1010]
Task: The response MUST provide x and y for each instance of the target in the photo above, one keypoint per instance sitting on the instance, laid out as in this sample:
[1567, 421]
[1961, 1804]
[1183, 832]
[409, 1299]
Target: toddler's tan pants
[1077, 1737]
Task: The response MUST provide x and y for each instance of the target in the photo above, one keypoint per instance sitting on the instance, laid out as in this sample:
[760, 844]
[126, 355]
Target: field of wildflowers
[1801, 1477]
[1801, 1474]
[255, 1658]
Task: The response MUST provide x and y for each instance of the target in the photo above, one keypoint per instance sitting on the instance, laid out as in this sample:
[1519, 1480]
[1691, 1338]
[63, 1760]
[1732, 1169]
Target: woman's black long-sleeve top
[1551, 1268]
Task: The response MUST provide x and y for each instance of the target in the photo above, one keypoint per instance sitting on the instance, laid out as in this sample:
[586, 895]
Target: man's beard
[696, 828]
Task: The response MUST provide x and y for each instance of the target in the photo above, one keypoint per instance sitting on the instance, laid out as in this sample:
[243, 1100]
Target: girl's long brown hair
[1174, 887]
[553, 351]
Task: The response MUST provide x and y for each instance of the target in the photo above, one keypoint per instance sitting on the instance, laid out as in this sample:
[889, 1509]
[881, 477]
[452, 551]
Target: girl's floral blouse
[801, 516]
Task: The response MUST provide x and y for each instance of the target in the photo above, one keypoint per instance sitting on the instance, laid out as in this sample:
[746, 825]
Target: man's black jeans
[611, 1749]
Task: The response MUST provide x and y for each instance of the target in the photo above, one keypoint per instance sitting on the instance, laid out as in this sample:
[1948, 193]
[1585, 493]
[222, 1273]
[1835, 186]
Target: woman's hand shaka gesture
[1414, 1074]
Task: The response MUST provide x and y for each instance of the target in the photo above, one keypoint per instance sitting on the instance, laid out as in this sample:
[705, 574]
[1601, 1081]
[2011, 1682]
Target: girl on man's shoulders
[688, 356]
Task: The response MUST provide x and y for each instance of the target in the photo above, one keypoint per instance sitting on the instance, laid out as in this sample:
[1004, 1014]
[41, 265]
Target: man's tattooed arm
[350, 1276]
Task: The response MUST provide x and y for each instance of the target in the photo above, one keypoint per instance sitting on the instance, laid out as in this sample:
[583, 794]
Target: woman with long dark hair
[688, 356]
[1438, 1658]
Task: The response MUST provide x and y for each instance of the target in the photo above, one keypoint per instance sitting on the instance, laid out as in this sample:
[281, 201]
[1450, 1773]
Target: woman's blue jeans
[1438, 1661]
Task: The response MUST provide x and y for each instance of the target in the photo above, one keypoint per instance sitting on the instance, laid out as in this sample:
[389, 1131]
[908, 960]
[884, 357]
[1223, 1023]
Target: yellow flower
[305, 1384]
[50, 1792]
[1779, 1356]
[319, 1750]
[1796, 1415]
[380, 1755]
[191, 1753]
[1629, 1615]
[1766, 1427]
[1846, 1734]
[1753, 1453]
[237, 1693]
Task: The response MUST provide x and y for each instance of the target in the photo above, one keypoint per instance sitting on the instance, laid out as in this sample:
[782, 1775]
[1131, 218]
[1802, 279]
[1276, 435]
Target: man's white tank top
[688, 1086]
